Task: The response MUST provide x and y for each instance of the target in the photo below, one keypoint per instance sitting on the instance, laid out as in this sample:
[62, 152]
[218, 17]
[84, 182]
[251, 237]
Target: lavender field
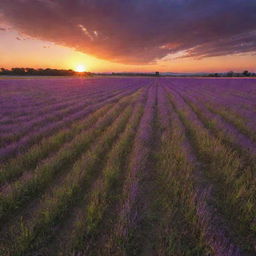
[128, 166]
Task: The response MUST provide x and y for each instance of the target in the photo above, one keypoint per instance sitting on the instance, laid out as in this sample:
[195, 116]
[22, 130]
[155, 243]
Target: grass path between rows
[62, 197]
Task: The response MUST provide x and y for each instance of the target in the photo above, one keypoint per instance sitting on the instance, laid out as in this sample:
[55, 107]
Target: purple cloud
[138, 31]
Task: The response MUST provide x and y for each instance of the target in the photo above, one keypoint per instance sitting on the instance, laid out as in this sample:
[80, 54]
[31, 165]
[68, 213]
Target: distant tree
[230, 74]
[39, 72]
[157, 73]
[246, 73]
[4, 71]
[30, 71]
[18, 71]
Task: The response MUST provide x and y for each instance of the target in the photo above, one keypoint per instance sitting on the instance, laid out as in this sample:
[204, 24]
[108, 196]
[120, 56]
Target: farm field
[128, 166]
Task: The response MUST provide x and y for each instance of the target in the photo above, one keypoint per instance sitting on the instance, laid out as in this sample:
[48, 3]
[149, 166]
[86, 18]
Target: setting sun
[80, 68]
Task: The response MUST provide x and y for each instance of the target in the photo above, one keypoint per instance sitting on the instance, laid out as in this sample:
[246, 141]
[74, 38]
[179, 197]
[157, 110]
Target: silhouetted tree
[230, 74]
[39, 72]
[19, 71]
[246, 73]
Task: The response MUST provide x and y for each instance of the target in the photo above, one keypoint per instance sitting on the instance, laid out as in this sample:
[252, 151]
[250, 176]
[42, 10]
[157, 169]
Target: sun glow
[80, 68]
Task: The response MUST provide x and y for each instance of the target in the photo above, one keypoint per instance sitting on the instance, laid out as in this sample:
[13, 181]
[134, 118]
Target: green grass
[65, 196]
[29, 160]
[237, 120]
[24, 191]
[234, 185]
[179, 231]
[88, 225]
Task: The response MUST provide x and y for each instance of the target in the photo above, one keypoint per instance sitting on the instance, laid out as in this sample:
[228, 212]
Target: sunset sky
[129, 35]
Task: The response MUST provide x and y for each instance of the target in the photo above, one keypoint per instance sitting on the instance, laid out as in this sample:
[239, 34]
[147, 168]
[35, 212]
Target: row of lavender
[84, 97]
[219, 118]
[154, 166]
[60, 96]
[234, 95]
[49, 161]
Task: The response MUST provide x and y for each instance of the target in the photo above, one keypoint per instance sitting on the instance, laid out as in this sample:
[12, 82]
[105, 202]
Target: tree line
[246, 73]
[40, 72]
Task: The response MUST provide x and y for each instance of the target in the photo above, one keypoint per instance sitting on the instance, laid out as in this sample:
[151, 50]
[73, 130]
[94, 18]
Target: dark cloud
[138, 31]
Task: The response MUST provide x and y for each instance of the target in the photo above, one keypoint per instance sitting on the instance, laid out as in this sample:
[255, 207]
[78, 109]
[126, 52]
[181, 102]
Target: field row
[130, 166]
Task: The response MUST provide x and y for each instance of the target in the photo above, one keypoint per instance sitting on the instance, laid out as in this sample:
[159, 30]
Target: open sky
[129, 35]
